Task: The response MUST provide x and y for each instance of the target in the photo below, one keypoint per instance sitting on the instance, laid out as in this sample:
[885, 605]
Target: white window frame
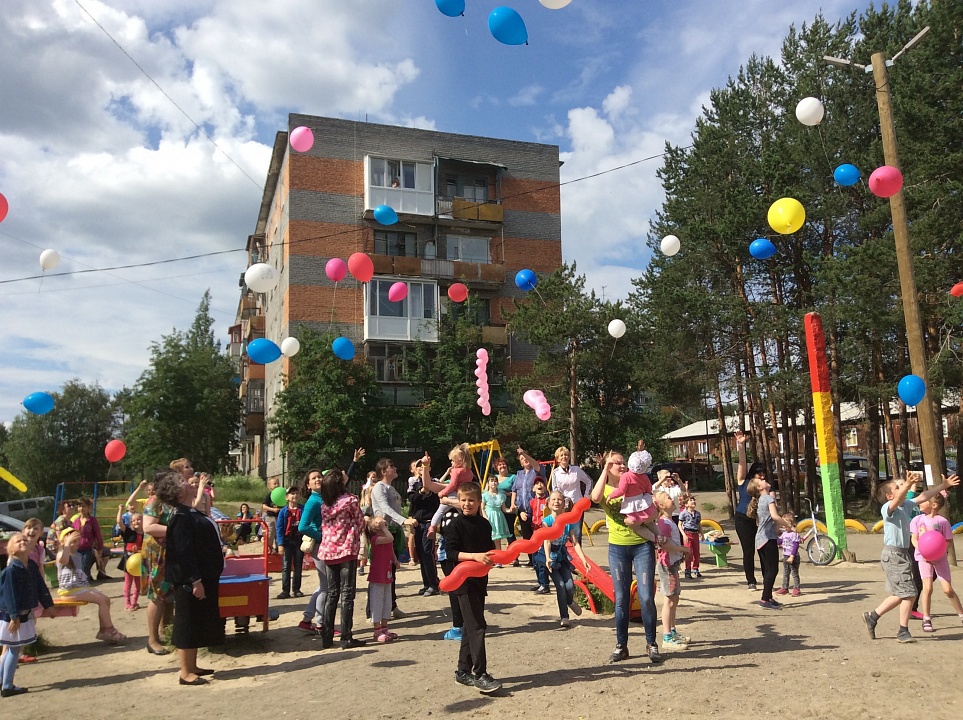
[414, 318]
[414, 194]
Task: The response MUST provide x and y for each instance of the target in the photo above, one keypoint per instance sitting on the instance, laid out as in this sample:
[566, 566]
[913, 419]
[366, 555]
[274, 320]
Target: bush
[602, 603]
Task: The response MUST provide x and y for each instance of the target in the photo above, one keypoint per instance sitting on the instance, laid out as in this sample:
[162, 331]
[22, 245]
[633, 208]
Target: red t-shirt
[459, 476]
[380, 570]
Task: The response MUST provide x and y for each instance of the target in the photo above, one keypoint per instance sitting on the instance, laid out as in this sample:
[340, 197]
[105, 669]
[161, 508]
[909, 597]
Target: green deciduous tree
[66, 444]
[186, 403]
[328, 408]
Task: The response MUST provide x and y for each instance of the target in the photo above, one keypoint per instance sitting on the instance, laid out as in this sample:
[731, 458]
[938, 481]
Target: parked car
[855, 471]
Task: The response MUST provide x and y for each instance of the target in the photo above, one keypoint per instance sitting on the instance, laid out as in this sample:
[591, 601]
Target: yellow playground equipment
[484, 454]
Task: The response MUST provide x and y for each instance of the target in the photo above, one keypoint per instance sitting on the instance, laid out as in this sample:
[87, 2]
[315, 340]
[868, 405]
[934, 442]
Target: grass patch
[708, 506]
[602, 603]
[40, 646]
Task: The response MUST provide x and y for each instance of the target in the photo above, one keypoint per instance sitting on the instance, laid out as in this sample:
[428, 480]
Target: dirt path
[811, 660]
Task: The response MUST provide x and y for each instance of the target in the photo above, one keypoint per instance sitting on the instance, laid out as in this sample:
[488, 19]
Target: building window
[415, 317]
[469, 188]
[388, 361]
[850, 437]
[399, 244]
[703, 446]
[468, 249]
[403, 174]
[477, 310]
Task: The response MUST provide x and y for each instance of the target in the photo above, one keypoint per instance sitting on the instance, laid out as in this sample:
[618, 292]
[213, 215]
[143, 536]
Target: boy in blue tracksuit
[289, 542]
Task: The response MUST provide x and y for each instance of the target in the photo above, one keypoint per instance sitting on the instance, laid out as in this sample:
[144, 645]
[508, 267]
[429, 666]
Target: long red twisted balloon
[465, 570]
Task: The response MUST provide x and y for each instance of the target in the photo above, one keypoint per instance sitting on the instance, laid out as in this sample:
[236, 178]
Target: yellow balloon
[133, 564]
[786, 215]
[12, 479]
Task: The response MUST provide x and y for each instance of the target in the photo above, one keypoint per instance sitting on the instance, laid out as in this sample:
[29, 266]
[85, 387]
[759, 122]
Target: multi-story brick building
[471, 209]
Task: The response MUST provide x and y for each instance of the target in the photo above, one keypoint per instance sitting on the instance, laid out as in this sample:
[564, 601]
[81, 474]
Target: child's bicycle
[820, 547]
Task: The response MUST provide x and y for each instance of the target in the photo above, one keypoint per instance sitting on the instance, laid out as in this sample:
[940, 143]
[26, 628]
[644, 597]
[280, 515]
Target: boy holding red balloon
[896, 559]
[468, 538]
[931, 534]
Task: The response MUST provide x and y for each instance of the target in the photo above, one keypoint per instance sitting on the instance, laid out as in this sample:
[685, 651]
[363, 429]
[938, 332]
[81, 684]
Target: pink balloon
[486, 409]
[302, 139]
[480, 372]
[479, 383]
[398, 292]
[482, 354]
[4, 207]
[544, 414]
[932, 545]
[361, 267]
[479, 402]
[529, 397]
[885, 181]
[336, 269]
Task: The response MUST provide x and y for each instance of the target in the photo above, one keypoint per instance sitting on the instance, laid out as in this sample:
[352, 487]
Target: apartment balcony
[253, 371]
[495, 335]
[476, 274]
[254, 423]
[252, 328]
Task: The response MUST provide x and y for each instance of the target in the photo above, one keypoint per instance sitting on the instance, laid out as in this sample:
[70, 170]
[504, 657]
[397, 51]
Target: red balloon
[115, 450]
[361, 267]
[458, 292]
[4, 206]
[462, 572]
[957, 290]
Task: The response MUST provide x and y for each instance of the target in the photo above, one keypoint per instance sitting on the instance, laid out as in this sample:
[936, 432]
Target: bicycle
[820, 547]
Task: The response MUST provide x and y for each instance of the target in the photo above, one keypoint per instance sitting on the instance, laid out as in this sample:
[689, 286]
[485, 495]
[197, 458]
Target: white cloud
[526, 96]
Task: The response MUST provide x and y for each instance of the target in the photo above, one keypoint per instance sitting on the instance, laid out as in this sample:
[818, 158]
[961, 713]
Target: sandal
[111, 636]
[928, 625]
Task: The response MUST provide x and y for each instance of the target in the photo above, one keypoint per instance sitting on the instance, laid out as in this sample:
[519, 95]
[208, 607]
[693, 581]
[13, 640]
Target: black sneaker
[464, 678]
[352, 643]
[653, 652]
[283, 596]
[870, 625]
[621, 653]
[752, 587]
[486, 683]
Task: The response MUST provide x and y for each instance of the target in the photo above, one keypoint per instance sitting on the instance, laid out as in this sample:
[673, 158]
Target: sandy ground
[812, 659]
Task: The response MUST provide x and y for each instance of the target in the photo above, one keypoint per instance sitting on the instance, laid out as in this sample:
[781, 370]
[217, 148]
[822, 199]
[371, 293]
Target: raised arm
[743, 468]
[133, 495]
[948, 482]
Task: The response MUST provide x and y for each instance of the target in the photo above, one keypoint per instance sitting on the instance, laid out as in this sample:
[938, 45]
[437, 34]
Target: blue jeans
[541, 572]
[564, 586]
[623, 559]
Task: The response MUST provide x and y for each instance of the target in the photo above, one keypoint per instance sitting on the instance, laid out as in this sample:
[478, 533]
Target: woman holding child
[627, 552]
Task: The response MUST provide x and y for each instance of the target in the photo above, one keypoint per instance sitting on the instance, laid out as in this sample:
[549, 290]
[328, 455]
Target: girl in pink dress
[635, 489]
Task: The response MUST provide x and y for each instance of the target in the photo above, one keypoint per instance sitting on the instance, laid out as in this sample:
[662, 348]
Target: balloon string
[613, 348]
[540, 296]
[333, 296]
[822, 141]
[40, 286]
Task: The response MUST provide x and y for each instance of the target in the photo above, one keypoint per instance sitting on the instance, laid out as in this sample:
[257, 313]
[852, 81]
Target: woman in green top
[627, 552]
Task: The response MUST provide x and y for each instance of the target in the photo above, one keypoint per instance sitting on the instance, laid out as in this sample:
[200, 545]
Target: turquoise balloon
[263, 351]
[385, 215]
[846, 175]
[451, 8]
[39, 403]
[343, 348]
[507, 26]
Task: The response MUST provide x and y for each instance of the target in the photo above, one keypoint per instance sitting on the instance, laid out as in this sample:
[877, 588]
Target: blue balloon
[911, 389]
[507, 26]
[39, 403]
[846, 175]
[385, 215]
[451, 8]
[343, 348]
[761, 249]
[263, 351]
[526, 280]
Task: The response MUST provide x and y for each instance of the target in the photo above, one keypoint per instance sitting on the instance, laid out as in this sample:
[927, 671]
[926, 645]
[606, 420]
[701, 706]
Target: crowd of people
[654, 530]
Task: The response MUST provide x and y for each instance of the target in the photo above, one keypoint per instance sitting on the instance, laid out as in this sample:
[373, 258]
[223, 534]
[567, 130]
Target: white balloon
[810, 111]
[260, 277]
[290, 346]
[616, 329]
[49, 259]
[555, 4]
[670, 245]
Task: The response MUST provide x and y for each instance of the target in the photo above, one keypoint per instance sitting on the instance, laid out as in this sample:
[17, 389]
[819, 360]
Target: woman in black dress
[194, 565]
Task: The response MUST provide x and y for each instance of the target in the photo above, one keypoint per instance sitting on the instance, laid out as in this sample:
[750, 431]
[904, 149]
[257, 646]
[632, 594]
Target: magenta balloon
[932, 545]
[302, 139]
[336, 269]
[398, 292]
[885, 181]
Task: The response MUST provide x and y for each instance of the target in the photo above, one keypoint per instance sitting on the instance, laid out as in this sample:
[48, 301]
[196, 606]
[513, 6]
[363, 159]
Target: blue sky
[97, 163]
